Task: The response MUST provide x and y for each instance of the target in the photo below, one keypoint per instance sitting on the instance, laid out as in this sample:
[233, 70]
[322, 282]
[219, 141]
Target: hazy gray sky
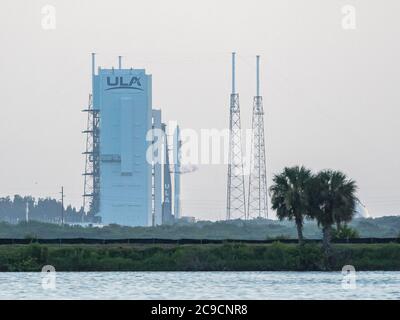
[331, 95]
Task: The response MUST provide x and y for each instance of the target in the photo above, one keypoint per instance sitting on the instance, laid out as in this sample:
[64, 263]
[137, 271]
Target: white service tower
[177, 173]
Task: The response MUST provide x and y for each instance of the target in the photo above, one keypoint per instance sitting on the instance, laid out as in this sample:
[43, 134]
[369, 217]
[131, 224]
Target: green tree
[345, 232]
[289, 196]
[332, 200]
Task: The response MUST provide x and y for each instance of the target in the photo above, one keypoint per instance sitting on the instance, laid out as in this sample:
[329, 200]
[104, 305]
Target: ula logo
[118, 83]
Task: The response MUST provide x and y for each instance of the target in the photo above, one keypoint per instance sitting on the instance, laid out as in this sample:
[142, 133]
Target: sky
[330, 86]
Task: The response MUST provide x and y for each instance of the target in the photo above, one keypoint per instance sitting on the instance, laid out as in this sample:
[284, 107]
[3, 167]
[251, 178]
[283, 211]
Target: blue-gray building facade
[124, 100]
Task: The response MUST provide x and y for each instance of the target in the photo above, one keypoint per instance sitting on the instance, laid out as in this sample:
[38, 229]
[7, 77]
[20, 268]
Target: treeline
[257, 229]
[14, 210]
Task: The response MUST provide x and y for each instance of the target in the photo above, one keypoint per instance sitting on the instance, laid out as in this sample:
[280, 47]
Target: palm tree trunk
[299, 226]
[326, 242]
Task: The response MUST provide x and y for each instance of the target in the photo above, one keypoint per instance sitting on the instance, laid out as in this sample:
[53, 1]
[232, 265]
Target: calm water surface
[200, 285]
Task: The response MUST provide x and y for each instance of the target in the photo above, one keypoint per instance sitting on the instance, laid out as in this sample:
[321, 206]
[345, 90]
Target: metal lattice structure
[177, 172]
[91, 189]
[257, 197]
[236, 202]
[167, 216]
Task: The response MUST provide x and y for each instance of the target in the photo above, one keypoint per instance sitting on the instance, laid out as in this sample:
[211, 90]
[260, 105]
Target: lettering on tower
[120, 82]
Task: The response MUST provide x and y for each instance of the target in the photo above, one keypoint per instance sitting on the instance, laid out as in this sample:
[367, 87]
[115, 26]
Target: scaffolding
[236, 203]
[91, 189]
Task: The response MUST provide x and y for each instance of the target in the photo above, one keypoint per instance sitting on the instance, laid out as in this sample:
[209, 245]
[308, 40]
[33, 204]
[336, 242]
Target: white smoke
[188, 168]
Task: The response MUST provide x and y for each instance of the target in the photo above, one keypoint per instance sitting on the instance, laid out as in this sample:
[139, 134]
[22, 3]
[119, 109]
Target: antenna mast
[120, 62]
[257, 199]
[236, 204]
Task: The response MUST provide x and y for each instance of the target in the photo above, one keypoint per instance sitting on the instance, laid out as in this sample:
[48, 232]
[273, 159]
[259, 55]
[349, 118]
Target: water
[199, 285]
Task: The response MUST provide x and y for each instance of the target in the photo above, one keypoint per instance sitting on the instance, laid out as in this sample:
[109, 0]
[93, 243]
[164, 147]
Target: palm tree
[332, 201]
[289, 196]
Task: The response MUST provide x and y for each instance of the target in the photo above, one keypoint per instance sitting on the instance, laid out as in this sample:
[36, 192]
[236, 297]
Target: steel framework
[91, 189]
[177, 172]
[167, 216]
[236, 202]
[257, 196]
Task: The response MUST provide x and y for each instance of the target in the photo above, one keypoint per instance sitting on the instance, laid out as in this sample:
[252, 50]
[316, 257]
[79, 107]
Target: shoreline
[276, 256]
[186, 241]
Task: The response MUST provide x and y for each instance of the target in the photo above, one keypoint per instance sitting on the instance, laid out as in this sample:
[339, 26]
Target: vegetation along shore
[219, 257]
